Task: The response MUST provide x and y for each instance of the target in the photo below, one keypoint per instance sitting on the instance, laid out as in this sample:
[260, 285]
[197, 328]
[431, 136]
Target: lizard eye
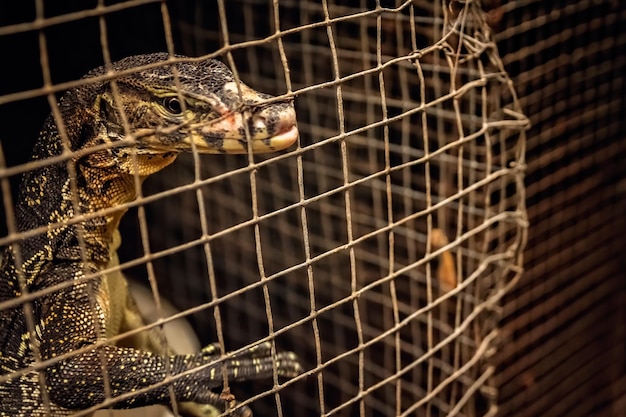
[172, 105]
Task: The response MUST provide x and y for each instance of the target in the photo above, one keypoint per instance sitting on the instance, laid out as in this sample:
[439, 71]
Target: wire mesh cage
[354, 215]
[378, 248]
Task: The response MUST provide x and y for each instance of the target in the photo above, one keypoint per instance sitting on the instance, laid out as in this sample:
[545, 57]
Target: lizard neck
[102, 180]
[52, 198]
[102, 189]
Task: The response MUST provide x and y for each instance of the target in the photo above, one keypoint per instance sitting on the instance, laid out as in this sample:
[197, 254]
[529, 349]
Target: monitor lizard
[119, 135]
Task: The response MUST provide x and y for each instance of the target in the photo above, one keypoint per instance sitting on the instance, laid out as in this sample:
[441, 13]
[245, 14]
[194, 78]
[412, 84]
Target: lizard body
[203, 109]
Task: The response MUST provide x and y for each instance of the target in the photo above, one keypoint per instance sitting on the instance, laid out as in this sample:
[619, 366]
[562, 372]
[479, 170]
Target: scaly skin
[148, 105]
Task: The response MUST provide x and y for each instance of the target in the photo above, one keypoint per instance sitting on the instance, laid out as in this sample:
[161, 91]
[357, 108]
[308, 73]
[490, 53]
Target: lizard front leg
[71, 318]
[124, 315]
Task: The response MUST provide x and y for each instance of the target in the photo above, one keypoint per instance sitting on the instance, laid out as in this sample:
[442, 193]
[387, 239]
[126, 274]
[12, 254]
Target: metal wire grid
[564, 326]
[328, 249]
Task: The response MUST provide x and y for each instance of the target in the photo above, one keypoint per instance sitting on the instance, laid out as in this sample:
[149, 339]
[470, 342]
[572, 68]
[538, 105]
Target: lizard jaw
[239, 145]
[272, 129]
[261, 145]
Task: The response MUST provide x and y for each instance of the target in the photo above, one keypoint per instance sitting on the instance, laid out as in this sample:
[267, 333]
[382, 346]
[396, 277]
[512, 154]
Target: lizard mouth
[260, 142]
[272, 129]
[274, 143]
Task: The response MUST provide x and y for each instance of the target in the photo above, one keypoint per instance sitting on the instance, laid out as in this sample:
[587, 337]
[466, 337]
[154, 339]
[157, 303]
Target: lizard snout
[272, 122]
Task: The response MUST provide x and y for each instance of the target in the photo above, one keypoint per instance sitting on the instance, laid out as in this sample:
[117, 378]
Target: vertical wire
[281, 47]
[429, 231]
[266, 295]
[416, 335]
[372, 151]
[58, 118]
[485, 109]
[348, 212]
[390, 220]
[212, 277]
[441, 136]
[488, 167]
[454, 67]
[143, 224]
[326, 225]
[378, 210]
[471, 177]
[441, 140]
[102, 332]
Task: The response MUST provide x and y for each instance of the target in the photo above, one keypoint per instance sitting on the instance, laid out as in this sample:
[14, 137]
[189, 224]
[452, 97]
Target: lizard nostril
[276, 118]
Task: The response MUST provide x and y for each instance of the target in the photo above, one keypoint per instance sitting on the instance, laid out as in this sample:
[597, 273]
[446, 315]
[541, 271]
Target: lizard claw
[260, 356]
[286, 364]
[256, 362]
[213, 350]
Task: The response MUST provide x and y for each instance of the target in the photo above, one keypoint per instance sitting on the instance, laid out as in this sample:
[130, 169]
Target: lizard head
[198, 105]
